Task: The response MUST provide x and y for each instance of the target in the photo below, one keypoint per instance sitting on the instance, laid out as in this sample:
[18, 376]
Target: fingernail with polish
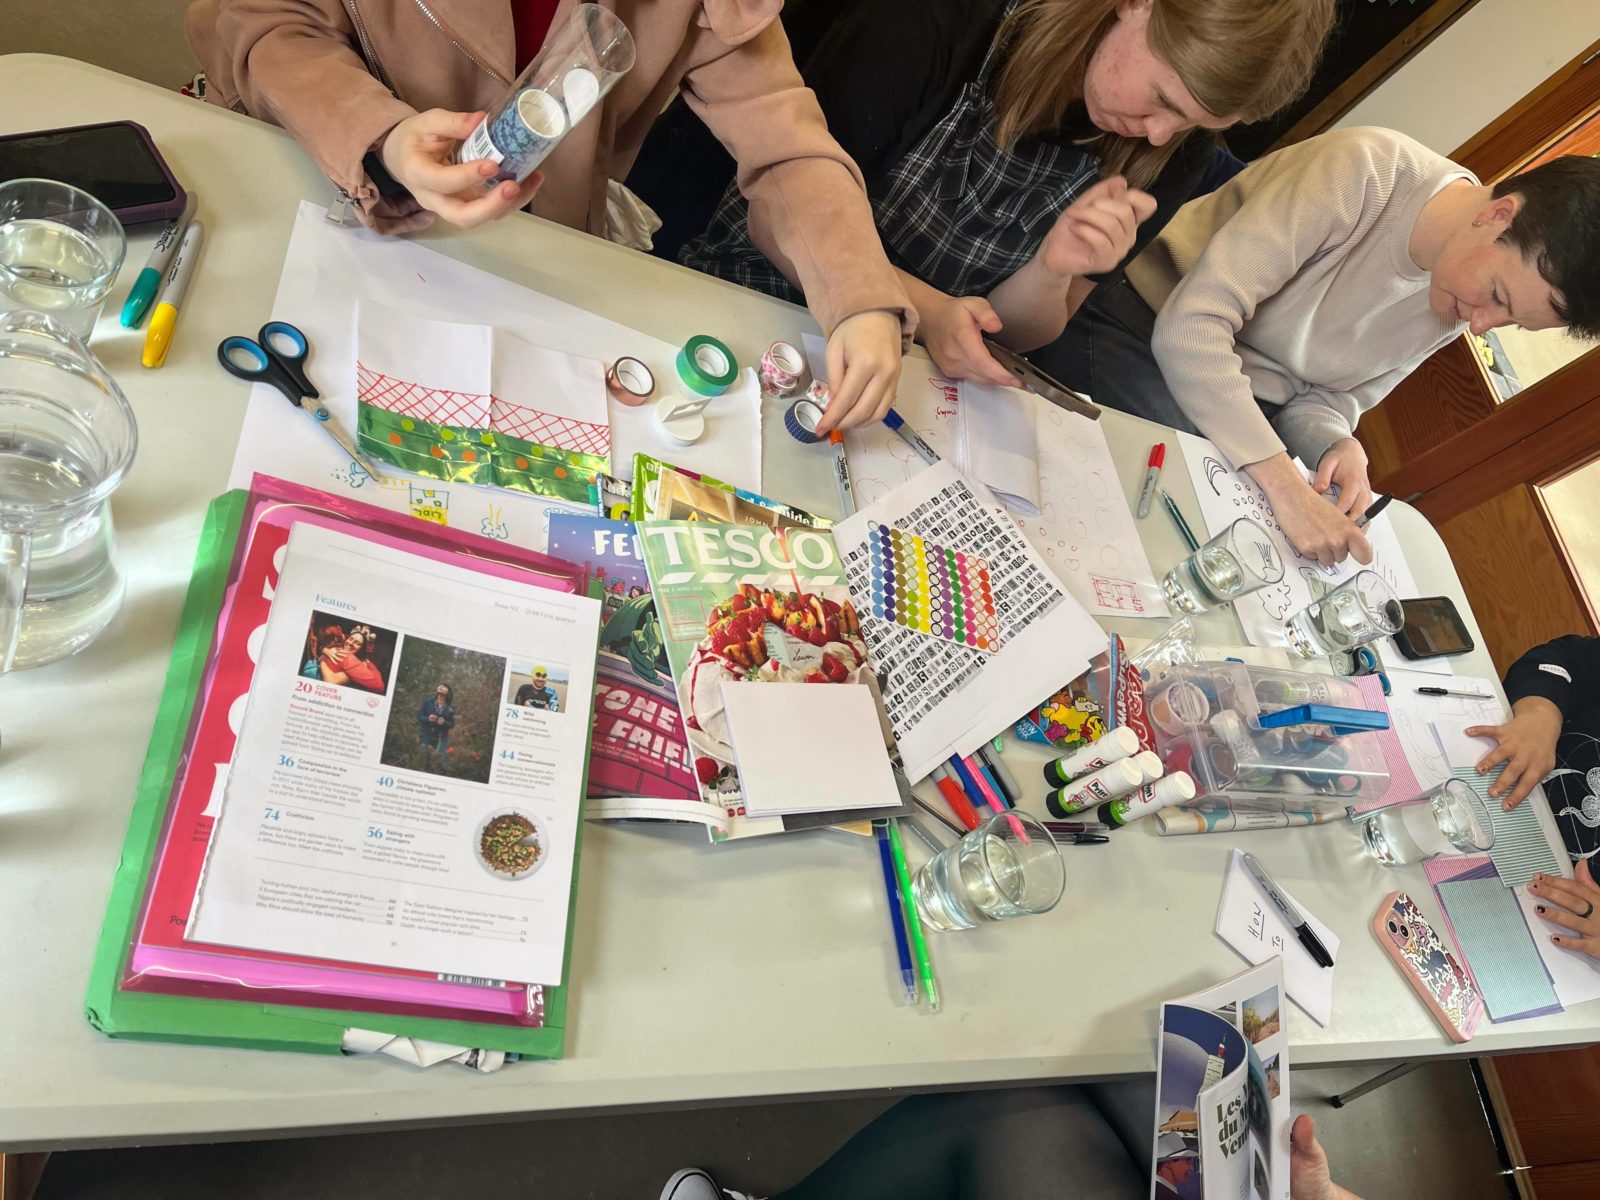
[1538, 908]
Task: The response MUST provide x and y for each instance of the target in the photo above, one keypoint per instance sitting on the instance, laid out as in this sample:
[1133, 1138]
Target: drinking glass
[1362, 609]
[1239, 560]
[1009, 866]
[579, 63]
[1449, 817]
[60, 251]
[67, 438]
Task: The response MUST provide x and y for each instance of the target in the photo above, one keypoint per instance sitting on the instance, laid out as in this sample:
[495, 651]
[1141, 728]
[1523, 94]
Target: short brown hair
[1557, 229]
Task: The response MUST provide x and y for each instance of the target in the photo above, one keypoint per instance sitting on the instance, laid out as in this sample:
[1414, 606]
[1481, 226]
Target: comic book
[638, 752]
[750, 604]
[1222, 1092]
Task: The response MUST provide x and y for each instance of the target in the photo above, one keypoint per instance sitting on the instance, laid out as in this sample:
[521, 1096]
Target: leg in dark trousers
[998, 1145]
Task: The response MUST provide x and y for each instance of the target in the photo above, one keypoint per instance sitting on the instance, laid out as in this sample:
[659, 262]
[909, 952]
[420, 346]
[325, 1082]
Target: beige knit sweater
[1294, 283]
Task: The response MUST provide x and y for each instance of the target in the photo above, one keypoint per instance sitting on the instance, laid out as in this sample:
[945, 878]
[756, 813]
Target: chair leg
[1373, 1084]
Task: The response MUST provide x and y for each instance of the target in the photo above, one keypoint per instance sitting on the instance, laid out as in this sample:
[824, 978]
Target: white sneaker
[692, 1183]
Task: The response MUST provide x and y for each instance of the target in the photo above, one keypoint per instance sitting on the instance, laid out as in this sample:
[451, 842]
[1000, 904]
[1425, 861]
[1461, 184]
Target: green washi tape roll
[706, 366]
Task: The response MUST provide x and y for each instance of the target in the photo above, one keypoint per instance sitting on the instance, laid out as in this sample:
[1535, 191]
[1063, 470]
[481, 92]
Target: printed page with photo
[390, 802]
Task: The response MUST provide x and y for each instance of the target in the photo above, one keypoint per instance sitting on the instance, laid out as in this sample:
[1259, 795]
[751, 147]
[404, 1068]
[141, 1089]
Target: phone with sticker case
[1441, 981]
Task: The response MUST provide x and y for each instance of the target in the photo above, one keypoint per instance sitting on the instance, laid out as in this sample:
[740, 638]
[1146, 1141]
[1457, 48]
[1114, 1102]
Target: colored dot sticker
[448, 435]
[394, 439]
[407, 424]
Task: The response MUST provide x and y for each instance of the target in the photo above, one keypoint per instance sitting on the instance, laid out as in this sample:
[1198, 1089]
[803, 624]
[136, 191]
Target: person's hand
[1571, 904]
[1309, 1178]
[863, 369]
[1313, 526]
[953, 333]
[418, 153]
[1095, 232]
[1526, 746]
[1345, 463]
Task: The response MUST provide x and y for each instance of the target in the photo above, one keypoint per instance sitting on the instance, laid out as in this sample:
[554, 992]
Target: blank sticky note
[808, 747]
[1498, 948]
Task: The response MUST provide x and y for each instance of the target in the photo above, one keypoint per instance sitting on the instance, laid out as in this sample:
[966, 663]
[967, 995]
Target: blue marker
[149, 281]
[898, 423]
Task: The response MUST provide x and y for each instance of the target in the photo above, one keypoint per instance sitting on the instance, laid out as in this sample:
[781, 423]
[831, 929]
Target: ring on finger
[1588, 911]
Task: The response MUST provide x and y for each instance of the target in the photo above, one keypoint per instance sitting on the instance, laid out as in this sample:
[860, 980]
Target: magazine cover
[1222, 1092]
[748, 604]
[638, 749]
[663, 492]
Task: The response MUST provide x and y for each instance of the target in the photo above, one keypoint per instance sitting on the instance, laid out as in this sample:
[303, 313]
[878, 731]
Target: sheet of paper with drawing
[388, 803]
[941, 696]
[1226, 495]
[329, 269]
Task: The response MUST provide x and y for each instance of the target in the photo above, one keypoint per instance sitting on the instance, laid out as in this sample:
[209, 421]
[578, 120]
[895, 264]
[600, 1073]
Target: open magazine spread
[1222, 1092]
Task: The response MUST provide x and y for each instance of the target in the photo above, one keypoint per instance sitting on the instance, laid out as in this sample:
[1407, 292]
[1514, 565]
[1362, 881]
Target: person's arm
[1544, 685]
[448, 719]
[329, 675]
[808, 204]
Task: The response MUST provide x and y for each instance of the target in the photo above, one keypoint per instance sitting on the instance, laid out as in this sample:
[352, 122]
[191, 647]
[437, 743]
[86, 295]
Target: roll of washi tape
[630, 382]
[801, 421]
[706, 366]
[818, 393]
[782, 369]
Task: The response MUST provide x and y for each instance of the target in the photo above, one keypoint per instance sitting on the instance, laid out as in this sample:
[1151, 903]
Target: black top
[1567, 673]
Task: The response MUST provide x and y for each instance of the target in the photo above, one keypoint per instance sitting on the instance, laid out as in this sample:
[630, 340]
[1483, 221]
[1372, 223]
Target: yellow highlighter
[165, 317]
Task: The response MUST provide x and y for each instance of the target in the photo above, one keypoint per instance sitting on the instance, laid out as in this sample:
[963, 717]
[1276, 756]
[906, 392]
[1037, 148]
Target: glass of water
[1239, 560]
[60, 251]
[1450, 817]
[1362, 609]
[1009, 866]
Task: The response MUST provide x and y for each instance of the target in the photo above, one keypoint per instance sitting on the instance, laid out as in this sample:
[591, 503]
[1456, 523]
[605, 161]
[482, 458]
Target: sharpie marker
[898, 423]
[159, 339]
[1366, 518]
[841, 474]
[149, 281]
[1152, 473]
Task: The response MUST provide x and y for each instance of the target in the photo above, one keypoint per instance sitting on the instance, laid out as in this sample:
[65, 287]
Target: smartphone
[1441, 981]
[115, 162]
[1433, 627]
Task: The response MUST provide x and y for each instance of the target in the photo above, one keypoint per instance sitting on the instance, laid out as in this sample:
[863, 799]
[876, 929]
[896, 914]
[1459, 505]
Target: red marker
[955, 797]
[1152, 472]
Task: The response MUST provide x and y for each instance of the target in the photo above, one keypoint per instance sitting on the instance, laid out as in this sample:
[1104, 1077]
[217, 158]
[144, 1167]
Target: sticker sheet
[932, 589]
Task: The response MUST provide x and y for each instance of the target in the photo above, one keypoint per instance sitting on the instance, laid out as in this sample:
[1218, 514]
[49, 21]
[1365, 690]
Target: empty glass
[60, 251]
[1449, 817]
[1239, 560]
[1362, 609]
[67, 437]
[1009, 866]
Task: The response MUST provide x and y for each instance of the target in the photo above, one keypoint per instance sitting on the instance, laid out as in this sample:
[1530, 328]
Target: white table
[699, 974]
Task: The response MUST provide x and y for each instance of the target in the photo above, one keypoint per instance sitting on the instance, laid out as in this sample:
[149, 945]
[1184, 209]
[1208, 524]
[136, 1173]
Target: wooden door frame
[1552, 426]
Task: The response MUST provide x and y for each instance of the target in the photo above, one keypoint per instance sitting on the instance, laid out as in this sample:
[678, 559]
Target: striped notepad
[1521, 849]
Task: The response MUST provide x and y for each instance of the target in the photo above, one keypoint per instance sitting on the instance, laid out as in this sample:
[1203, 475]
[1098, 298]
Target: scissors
[1040, 383]
[263, 359]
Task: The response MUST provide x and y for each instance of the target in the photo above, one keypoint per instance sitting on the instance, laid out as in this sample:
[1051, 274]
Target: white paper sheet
[776, 780]
[330, 268]
[1413, 716]
[1253, 926]
[340, 830]
[1576, 976]
[1226, 495]
[997, 442]
[943, 698]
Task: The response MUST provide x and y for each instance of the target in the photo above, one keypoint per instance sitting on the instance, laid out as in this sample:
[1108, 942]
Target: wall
[1493, 55]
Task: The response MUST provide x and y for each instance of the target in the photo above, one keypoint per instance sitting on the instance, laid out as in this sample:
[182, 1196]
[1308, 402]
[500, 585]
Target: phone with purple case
[1430, 968]
[116, 162]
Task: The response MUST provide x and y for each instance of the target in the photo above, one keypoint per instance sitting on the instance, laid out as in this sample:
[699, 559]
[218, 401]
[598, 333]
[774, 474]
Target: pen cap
[1113, 779]
[1113, 745]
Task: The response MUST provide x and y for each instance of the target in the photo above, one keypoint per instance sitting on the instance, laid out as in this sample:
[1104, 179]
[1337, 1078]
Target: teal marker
[148, 284]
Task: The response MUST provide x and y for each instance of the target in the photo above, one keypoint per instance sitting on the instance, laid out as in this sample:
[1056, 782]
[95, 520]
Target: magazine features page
[405, 789]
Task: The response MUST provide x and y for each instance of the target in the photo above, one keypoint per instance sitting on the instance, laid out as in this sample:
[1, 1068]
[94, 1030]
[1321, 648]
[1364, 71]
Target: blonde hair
[1244, 58]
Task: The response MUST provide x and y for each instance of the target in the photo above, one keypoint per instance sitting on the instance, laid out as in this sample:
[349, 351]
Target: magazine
[749, 604]
[1222, 1092]
[663, 492]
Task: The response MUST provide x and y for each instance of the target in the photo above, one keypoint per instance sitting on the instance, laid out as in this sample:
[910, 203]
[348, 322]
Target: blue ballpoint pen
[897, 914]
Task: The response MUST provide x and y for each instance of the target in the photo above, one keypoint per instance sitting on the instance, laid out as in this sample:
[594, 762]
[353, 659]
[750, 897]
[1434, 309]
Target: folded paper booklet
[389, 802]
[1222, 1092]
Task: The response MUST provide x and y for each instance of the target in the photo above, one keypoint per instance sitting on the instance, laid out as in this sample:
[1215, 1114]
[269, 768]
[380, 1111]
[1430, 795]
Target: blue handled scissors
[277, 355]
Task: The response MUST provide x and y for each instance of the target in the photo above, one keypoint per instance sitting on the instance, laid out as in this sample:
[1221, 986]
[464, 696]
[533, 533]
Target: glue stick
[1149, 764]
[1114, 779]
[1117, 743]
[1176, 788]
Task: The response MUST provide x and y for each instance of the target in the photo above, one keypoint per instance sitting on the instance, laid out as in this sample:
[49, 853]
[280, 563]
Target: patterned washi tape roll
[706, 366]
[782, 369]
[801, 422]
[630, 381]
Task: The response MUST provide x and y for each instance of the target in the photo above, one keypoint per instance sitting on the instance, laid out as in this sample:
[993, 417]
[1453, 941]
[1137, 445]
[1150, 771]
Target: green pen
[148, 284]
[919, 942]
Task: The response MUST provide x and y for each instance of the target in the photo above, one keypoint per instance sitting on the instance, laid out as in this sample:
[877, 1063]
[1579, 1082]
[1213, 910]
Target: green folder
[151, 1017]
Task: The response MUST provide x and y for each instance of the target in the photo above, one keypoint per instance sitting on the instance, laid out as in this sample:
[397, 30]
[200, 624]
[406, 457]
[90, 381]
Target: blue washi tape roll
[801, 421]
[706, 366]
